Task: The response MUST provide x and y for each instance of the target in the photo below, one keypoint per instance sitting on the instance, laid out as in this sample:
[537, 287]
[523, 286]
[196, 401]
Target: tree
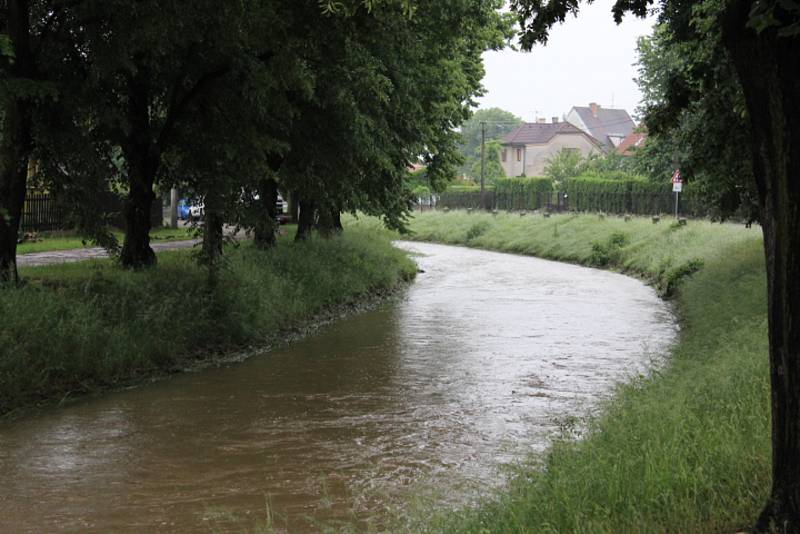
[380, 104]
[25, 26]
[694, 108]
[762, 39]
[566, 163]
[143, 83]
[493, 167]
[499, 122]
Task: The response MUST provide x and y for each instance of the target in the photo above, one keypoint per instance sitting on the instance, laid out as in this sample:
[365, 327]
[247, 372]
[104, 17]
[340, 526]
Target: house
[629, 145]
[607, 125]
[526, 150]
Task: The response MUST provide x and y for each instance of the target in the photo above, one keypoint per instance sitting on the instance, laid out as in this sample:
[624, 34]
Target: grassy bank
[50, 241]
[686, 450]
[87, 326]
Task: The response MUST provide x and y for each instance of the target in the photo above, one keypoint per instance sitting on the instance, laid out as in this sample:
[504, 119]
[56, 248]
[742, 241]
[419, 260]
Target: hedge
[626, 194]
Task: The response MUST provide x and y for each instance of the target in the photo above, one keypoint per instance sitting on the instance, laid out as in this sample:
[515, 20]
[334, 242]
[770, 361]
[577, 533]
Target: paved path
[36, 259]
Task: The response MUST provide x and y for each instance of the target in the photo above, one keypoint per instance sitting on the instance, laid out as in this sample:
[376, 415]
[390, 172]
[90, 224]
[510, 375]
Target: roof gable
[605, 123]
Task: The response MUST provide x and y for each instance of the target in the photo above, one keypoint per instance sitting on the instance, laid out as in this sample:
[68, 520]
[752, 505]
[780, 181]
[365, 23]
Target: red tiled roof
[631, 142]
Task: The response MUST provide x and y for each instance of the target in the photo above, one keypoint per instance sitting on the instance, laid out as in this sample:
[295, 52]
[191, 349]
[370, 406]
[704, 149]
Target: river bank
[686, 449]
[86, 327]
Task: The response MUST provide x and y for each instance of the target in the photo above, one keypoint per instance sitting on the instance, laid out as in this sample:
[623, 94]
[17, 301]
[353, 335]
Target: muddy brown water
[480, 365]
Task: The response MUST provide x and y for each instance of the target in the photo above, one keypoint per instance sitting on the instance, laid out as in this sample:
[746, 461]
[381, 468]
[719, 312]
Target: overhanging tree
[762, 38]
[381, 104]
[25, 26]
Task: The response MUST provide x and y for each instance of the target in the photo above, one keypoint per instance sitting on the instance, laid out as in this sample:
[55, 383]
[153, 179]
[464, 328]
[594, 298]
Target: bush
[522, 193]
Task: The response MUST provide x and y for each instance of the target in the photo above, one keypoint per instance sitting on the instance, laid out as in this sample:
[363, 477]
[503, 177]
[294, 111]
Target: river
[487, 357]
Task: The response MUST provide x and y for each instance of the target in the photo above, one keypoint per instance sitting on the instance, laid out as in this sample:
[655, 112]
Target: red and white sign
[677, 181]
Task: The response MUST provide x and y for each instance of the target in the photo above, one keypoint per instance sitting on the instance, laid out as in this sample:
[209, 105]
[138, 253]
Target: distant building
[630, 144]
[527, 149]
[609, 126]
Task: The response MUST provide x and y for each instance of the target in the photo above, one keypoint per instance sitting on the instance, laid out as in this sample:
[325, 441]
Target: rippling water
[474, 369]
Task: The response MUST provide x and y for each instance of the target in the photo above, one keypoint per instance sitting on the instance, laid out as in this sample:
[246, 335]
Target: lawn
[51, 241]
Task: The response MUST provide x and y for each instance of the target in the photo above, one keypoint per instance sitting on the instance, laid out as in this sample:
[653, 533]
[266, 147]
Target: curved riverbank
[686, 449]
[87, 327]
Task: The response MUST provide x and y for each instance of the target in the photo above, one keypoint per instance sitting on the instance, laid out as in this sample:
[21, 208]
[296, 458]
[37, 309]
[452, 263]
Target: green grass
[685, 450]
[87, 326]
[51, 241]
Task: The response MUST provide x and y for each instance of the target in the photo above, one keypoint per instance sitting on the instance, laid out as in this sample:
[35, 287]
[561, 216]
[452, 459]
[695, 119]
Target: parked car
[183, 210]
[188, 210]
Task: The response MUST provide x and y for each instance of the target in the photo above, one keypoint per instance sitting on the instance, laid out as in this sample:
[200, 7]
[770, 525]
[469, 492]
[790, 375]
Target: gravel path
[36, 259]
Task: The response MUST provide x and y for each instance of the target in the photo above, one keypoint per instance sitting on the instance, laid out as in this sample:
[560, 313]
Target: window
[519, 154]
[503, 155]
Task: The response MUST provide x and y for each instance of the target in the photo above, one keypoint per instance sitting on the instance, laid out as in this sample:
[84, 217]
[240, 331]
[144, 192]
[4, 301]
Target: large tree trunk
[265, 230]
[136, 252]
[306, 219]
[329, 221]
[143, 161]
[14, 155]
[769, 70]
[16, 144]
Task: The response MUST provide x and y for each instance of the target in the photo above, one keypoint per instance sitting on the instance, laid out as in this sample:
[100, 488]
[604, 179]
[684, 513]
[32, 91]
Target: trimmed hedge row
[506, 193]
[627, 194]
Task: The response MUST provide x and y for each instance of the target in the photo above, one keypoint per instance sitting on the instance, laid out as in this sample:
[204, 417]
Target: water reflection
[475, 368]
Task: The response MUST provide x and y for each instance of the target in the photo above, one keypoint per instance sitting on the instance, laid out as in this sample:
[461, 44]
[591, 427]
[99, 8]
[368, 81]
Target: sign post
[677, 186]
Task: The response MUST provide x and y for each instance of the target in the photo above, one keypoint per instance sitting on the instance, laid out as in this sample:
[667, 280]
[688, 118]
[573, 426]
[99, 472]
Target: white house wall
[535, 157]
[575, 119]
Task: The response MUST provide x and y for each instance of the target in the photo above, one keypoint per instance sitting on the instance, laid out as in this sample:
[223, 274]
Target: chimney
[541, 120]
[555, 120]
[595, 108]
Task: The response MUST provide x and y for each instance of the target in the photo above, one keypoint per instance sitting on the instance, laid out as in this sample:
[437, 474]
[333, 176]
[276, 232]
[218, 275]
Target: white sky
[587, 59]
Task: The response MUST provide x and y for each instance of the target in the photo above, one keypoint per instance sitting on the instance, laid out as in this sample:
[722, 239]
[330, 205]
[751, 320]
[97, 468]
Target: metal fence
[42, 213]
[556, 201]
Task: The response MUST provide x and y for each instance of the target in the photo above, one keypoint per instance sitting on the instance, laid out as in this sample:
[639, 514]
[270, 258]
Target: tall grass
[85, 326]
[685, 450]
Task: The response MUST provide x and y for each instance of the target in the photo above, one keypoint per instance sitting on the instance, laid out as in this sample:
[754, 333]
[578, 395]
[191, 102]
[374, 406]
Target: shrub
[522, 193]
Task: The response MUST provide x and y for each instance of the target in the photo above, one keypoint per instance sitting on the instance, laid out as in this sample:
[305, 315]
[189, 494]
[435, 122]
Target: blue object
[183, 209]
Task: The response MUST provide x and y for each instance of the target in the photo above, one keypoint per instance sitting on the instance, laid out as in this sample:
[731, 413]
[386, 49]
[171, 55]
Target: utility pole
[483, 164]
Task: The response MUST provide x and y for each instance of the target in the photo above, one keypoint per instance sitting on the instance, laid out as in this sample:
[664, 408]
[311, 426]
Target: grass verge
[685, 450]
[87, 326]
[51, 241]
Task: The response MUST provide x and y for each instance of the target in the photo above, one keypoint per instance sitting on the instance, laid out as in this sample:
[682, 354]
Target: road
[36, 259]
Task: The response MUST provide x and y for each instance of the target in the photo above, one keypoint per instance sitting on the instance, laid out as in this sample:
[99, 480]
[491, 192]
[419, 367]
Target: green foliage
[498, 123]
[464, 188]
[694, 108]
[522, 193]
[566, 163]
[621, 192]
[107, 327]
[524, 186]
[493, 168]
[477, 230]
[608, 252]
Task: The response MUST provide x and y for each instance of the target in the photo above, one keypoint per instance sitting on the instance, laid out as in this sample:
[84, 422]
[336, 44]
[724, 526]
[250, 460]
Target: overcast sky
[587, 59]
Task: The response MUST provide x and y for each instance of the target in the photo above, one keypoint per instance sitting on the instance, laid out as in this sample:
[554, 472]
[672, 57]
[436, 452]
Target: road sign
[677, 181]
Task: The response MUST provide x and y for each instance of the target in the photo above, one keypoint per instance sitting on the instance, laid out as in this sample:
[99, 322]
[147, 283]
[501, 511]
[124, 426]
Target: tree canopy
[328, 101]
